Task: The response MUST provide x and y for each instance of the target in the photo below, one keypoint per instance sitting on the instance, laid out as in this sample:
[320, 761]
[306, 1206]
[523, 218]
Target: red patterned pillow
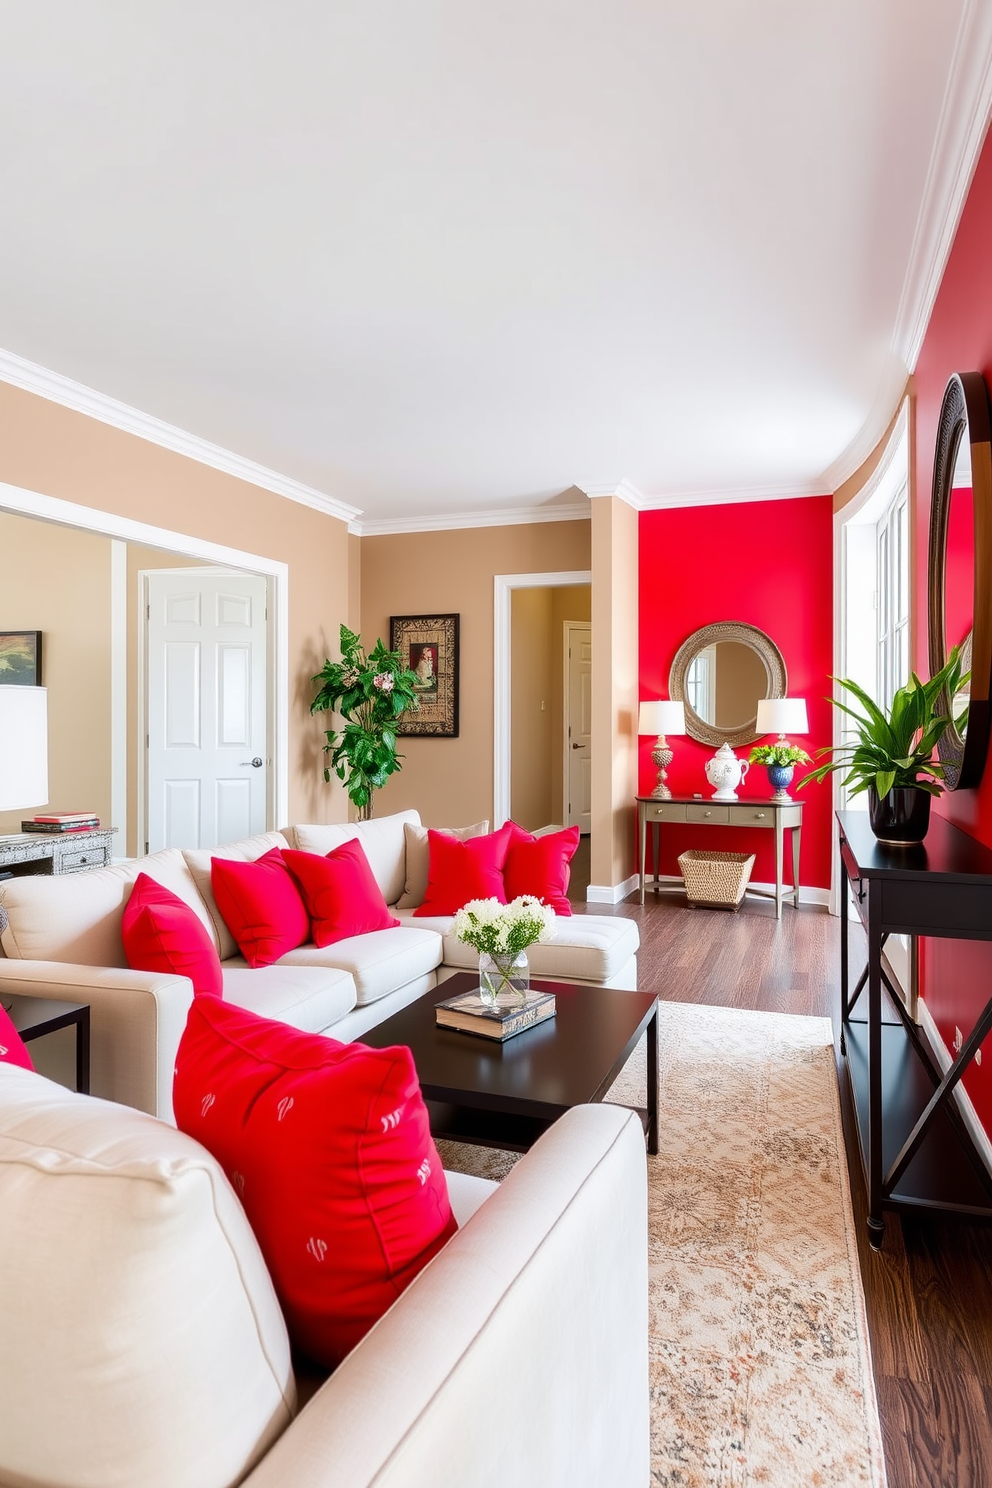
[460, 871]
[340, 892]
[540, 866]
[12, 1050]
[329, 1149]
[161, 933]
[261, 906]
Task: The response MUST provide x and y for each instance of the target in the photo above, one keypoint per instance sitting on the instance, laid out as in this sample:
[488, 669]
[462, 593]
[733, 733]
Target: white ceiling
[453, 256]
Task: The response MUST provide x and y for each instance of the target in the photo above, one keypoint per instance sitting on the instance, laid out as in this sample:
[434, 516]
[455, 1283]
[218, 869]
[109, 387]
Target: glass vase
[503, 980]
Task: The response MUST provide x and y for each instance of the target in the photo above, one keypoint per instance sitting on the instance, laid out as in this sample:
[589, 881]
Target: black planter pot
[901, 816]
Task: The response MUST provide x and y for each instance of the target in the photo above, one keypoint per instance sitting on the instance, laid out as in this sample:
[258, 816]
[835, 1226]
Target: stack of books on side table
[62, 821]
[469, 1014]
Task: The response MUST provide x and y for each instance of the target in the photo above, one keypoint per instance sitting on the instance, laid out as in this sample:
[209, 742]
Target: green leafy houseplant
[370, 691]
[898, 751]
[778, 754]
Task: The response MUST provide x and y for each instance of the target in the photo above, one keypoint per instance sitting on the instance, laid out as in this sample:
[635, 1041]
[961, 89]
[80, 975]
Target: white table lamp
[23, 747]
[781, 716]
[661, 717]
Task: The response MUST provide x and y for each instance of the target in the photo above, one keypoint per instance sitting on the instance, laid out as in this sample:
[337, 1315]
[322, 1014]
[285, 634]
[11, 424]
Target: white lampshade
[661, 717]
[782, 716]
[23, 747]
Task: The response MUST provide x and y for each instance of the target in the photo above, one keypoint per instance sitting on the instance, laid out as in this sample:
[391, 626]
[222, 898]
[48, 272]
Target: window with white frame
[892, 598]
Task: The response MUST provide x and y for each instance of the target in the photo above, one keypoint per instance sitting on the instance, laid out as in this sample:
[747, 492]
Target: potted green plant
[370, 691]
[894, 757]
[780, 760]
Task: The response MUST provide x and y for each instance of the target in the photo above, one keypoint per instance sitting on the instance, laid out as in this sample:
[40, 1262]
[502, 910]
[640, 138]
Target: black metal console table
[916, 1150]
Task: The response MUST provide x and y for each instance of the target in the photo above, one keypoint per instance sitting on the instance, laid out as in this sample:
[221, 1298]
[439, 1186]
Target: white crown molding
[793, 491]
[964, 119]
[511, 516]
[624, 489]
[961, 130]
[58, 389]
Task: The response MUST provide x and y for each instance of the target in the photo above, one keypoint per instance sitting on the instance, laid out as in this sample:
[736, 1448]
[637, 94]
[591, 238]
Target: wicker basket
[717, 879]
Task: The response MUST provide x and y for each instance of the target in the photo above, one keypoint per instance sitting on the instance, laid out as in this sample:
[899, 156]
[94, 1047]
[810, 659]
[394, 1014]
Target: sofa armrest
[136, 1021]
[519, 1355]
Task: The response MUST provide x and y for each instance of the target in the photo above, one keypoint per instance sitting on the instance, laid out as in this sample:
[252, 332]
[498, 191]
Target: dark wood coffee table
[506, 1095]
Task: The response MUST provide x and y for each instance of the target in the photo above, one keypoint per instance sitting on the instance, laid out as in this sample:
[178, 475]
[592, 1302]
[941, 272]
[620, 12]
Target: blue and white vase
[780, 778]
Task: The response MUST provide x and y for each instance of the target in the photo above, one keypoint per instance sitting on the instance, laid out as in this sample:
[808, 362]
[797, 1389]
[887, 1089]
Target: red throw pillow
[161, 933]
[261, 906]
[460, 871]
[12, 1050]
[539, 866]
[328, 1147]
[340, 892]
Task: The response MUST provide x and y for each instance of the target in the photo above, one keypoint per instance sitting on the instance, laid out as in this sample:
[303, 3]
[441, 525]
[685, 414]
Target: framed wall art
[428, 645]
[20, 658]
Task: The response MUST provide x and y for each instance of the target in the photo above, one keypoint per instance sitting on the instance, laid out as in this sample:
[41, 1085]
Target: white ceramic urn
[725, 773]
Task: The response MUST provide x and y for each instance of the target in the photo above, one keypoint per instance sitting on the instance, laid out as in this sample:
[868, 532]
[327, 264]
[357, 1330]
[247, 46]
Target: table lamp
[661, 717]
[23, 747]
[781, 715]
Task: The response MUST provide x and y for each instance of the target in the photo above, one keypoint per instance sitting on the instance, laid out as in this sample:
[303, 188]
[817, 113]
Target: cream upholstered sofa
[143, 1346]
[61, 938]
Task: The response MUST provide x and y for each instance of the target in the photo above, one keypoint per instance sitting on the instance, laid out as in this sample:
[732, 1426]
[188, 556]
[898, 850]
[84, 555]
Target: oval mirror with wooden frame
[720, 674]
[959, 570]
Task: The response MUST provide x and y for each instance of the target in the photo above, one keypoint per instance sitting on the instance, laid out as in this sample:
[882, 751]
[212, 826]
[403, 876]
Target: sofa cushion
[380, 962]
[68, 916]
[261, 905]
[12, 1050]
[308, 997]
[461, 871]
[382, 839]
[247, 850]
[592, 948]
[329, 1147]
[341, 896]
[418, 857]
[142, 1342]
[161, 933]
[540, 866]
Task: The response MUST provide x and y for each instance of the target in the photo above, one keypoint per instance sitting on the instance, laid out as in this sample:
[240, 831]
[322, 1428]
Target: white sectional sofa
[61, 938]
[143, 1345]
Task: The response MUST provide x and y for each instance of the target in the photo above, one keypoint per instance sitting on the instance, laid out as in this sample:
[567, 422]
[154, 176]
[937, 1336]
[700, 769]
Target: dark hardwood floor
[929, 1292]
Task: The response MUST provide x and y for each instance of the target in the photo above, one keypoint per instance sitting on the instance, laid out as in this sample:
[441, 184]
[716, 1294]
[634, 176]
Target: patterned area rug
[760, 1366]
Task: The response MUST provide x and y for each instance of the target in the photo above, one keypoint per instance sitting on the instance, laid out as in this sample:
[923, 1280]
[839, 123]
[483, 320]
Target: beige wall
[47, 448]
[614, 690]
[57, 580]
[450, 781]
[531, 666]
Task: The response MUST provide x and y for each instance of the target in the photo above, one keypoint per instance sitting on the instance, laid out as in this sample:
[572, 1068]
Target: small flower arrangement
[778, 754]
[504, 930]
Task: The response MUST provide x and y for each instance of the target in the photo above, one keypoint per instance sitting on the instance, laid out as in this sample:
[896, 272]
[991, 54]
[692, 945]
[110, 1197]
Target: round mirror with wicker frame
[685, 684]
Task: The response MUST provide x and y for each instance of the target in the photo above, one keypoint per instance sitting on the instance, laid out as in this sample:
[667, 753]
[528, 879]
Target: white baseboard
[612, 894]
[807, 895]
[945, 1059]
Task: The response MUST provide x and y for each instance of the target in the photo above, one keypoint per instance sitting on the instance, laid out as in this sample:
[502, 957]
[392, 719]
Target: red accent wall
[769, 563]
[956, 977]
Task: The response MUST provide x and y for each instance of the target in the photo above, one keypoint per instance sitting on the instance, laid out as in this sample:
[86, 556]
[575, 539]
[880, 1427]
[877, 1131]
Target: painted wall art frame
[428, 645]
[20, 658]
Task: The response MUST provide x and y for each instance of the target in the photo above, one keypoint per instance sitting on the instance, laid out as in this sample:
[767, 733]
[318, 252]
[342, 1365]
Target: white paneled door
[578, 725]
[205, 677]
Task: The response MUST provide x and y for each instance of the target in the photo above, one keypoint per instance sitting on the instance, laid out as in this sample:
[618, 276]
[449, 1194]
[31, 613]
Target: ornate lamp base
[662, 755]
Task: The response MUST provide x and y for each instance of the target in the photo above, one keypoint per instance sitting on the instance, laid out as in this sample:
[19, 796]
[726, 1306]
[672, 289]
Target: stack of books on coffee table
[63, 821]
[469, 1014]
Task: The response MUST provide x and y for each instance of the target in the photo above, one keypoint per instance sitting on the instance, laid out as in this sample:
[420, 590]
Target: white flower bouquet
[501, 934]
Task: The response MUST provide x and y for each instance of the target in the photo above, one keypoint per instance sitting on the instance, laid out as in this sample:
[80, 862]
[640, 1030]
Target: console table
[56, 852]
[778, 816]
[916, 1150]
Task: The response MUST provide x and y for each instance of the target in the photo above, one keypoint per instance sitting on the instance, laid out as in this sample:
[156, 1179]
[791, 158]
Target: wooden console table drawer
[668, 811]
[751, 816]
[717, 816]
[97, 855]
